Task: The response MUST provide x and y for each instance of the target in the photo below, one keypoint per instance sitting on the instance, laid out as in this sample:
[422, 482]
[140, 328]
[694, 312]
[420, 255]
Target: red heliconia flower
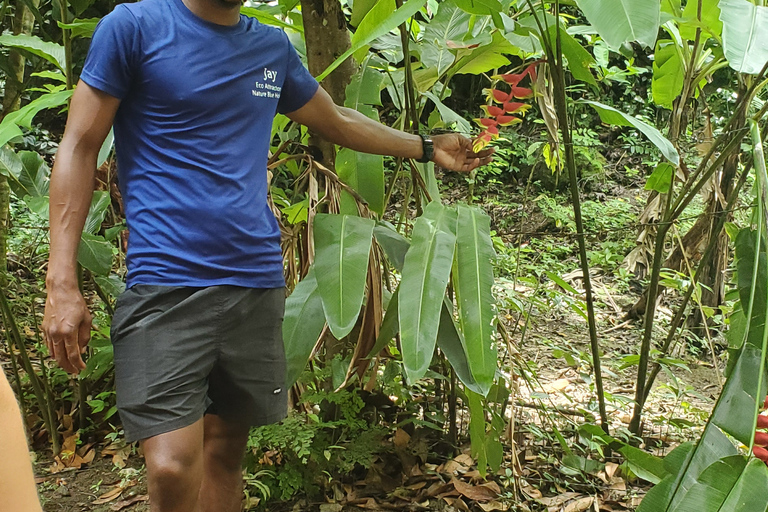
[762, 421]
[493, 130]
[515, 107]
[485, 122]
[521, 92]
[508, 120]
[761, 439]
[481, 141]
[492, 110]
[497, 95]
[760, 453]
[511, 79]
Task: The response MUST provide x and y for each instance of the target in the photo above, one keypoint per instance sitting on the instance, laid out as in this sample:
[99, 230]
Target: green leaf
[389, 326]
[449, 24]
[453, 345]
[710, 19]
[473, 278]
[487, 7]
[359, 10]
[486, 57]
[364, 173]
[365, 88]
[623, 21]
[10, 163]
[302, 325]
[106, 148]
[742, 496]
[269, 19]
[111, 284]
[56, 76]
[660, 179]
[449, 116]
[745, 264]
[375, 24]
[477, 436]
[52, 52]
[9, 127]
[610, 115]
[426, 272]
[81, 27]
[667, 74]
[33, 180]
[342, 247]
[394, 244]
[95, 254]
[99, 204]
[745, 26]
[579, 59]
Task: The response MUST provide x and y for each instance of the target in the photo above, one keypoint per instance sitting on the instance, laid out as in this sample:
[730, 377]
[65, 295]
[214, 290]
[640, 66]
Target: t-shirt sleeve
[299, 85]
[112, 58]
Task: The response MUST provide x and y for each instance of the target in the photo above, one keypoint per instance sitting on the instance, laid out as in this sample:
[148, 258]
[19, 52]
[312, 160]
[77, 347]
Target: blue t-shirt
[192, 138]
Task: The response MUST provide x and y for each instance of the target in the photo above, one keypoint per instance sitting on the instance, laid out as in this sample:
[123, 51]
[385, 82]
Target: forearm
[71, 190]
[361, 133]
[17, 484]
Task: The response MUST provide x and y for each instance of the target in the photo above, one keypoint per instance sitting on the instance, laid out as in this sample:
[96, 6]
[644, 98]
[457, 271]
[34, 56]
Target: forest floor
[553, 397]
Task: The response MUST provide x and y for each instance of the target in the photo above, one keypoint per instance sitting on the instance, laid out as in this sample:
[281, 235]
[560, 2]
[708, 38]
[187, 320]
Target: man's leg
[224, 447]
[175, 469]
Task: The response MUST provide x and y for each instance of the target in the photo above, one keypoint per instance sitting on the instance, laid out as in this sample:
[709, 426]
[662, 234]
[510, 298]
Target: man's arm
[353, 130]
[67, 322]
[17, 483]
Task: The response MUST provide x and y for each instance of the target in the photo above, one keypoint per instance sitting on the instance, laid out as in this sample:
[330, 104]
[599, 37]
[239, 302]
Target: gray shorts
[184, 352]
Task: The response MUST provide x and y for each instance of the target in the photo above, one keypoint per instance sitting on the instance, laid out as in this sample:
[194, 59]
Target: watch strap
[428, 150]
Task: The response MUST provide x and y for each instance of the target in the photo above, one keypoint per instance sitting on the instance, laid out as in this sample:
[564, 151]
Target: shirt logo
[265, 87]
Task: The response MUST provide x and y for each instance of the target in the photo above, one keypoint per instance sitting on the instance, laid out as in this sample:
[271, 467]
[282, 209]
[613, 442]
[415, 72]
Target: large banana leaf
[365, 174]
[449, 24]
[342, 247]
[745, 43]
[473, 278]
[426, 272]
[667, 74]
[710, 19]
[622, 21]
[302, 326]
[715, 477]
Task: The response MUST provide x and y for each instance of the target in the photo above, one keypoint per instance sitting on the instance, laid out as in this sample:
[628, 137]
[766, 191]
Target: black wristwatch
[428, 150]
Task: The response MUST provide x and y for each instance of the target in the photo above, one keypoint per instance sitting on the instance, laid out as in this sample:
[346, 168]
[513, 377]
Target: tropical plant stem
[555, 56]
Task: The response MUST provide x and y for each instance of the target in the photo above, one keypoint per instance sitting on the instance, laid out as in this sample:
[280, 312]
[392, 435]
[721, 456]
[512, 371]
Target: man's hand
[67, 327]
[454, 152]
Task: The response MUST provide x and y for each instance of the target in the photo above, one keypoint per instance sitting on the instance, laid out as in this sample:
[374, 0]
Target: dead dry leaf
[475, 492]
[120, 505]
[580, 505]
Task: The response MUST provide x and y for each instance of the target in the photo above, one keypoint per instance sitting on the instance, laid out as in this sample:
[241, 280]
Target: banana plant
[714, 474]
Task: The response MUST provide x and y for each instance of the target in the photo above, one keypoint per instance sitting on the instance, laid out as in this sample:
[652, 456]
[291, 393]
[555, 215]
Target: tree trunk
[327, 37]
[23, 22]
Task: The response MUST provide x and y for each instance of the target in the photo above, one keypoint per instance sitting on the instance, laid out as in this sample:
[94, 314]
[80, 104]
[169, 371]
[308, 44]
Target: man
[17, 482]
[192, 88]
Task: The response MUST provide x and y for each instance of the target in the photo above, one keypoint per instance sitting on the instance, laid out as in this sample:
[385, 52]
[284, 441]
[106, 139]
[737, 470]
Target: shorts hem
[256, 421]
[142, 433]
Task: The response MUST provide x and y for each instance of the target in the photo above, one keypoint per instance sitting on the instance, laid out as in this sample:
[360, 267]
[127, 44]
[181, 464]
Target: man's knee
[173, 468]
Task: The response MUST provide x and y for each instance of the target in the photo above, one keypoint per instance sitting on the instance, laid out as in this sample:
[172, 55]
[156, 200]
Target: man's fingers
[73, 354]
[84, 333]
